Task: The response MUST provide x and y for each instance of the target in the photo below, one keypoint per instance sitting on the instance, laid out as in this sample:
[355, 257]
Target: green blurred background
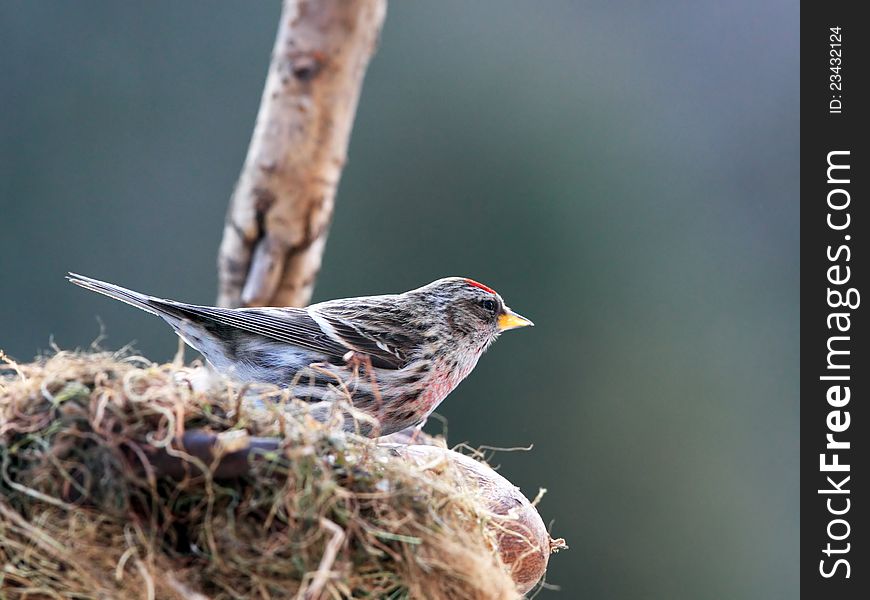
[624, 173]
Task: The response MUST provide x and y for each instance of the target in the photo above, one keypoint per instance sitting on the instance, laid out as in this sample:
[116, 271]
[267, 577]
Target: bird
[397, 356]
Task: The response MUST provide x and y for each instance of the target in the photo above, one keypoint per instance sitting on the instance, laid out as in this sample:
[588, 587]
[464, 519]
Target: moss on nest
[84, 513]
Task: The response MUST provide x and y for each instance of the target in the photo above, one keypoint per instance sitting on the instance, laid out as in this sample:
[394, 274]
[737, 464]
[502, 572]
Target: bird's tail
[136, 299]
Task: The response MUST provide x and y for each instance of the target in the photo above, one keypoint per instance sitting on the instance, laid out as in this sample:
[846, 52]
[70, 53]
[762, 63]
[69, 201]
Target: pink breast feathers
[443, 382]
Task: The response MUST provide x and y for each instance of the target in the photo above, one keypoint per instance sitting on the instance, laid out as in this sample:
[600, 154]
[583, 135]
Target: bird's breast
[446, 375]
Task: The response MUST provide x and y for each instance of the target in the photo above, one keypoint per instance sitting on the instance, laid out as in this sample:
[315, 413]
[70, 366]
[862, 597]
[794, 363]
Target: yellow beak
[511, 320]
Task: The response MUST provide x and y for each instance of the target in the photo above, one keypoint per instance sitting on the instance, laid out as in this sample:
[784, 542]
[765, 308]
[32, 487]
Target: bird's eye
[488, 305]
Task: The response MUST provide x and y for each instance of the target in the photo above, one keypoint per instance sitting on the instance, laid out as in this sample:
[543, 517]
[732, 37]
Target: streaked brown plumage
[398, 355]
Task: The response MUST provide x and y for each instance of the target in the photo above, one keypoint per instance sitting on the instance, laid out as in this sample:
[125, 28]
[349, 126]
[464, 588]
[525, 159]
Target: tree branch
[282, 206]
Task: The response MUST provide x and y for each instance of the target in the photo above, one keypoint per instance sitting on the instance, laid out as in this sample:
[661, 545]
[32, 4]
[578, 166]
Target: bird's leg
[417, 429]
[406, 436]
[362, 363]
[354, 359]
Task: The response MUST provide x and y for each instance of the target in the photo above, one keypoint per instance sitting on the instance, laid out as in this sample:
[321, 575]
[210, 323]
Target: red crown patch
[480, 285]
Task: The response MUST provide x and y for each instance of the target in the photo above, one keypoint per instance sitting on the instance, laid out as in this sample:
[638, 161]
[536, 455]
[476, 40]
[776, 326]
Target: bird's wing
[363, 340]
[372, 326]
[316, 331]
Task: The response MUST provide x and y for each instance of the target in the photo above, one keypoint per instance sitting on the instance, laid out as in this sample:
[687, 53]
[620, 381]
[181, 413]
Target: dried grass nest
[126, 479]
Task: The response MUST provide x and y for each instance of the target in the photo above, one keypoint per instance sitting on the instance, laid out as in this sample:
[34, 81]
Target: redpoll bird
[397, 356]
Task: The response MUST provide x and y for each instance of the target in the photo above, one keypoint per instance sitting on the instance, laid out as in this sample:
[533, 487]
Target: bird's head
[472, 313]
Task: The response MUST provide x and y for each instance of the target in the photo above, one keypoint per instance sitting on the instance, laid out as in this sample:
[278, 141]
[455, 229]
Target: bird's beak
[511, 320]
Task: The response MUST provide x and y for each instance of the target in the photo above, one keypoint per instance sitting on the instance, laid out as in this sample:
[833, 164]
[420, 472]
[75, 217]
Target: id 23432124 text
[835, 62]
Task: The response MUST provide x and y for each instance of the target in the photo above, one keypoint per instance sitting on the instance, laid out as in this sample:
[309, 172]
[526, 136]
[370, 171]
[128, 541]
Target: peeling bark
[281, 209]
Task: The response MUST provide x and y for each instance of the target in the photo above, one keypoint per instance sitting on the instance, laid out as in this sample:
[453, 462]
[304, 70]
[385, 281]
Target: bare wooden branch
[282, 206]
[204, 449]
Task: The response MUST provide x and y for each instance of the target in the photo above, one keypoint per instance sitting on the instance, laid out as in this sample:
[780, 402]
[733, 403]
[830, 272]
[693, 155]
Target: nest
[101, 498]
